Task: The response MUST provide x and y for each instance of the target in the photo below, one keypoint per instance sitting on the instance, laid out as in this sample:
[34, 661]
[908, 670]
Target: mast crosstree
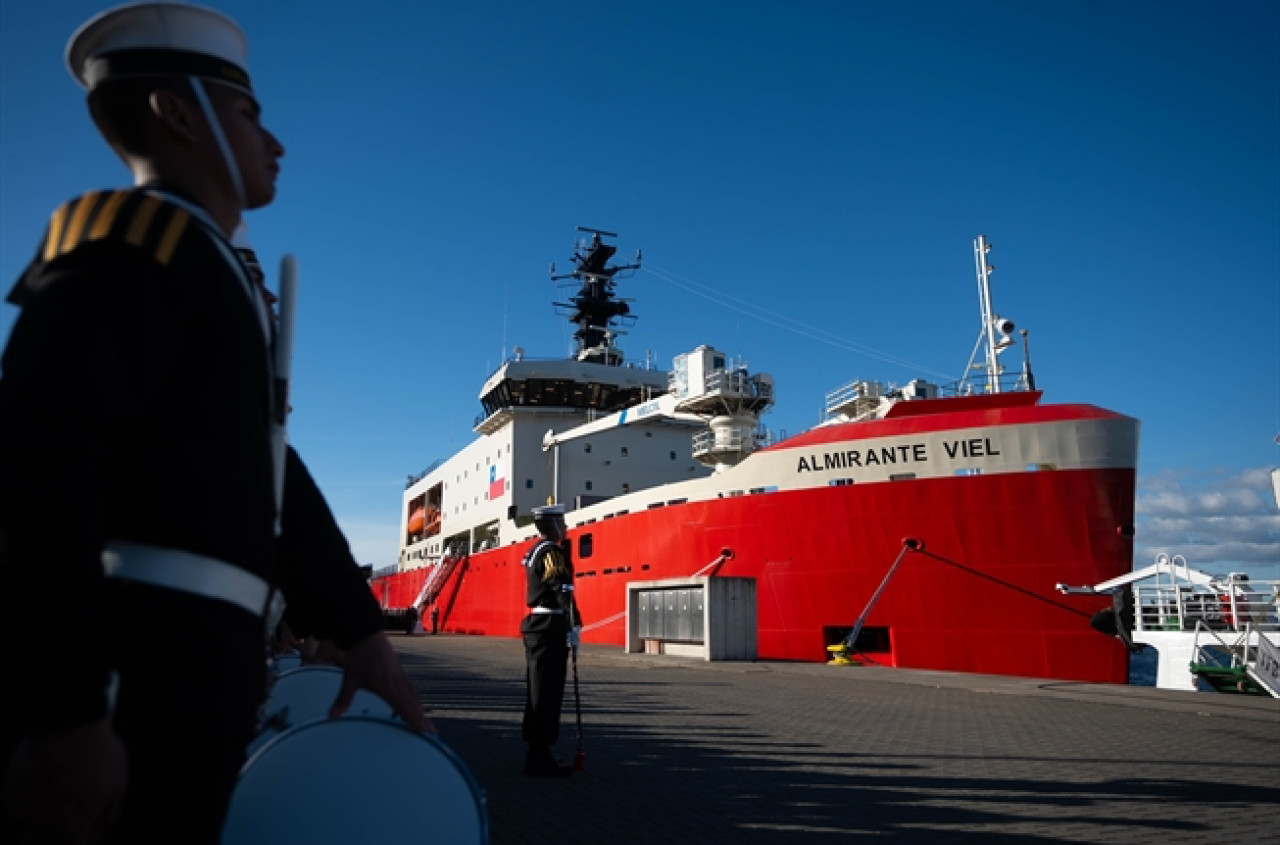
[595, 309]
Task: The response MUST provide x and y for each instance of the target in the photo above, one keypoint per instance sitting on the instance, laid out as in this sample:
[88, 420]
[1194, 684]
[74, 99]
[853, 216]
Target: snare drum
[357, 779]
[307, 693]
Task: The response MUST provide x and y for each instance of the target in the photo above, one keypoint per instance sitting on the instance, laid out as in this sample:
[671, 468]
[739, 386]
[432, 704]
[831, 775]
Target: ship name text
[906, 453]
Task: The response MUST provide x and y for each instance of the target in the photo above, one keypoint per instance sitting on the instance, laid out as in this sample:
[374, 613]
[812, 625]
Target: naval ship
[919, 525]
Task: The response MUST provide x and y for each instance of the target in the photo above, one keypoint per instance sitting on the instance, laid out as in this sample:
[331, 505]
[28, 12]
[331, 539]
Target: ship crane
[661, 408]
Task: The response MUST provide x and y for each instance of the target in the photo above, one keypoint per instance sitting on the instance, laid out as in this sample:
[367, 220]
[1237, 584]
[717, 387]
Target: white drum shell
[308, 692]
[354, 780]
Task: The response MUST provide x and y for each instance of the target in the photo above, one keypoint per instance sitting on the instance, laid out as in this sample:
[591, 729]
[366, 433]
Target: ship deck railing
[860, 398]
[1235, 606]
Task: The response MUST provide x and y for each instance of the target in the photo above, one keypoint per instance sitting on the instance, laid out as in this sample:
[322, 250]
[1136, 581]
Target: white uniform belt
[186, 571]
[546, 610]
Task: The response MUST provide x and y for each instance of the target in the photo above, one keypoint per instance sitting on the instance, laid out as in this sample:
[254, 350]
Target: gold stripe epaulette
[137, 218]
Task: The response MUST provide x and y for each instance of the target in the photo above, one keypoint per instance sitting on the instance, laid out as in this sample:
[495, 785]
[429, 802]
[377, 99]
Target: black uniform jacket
[548, 594]
[135, 406]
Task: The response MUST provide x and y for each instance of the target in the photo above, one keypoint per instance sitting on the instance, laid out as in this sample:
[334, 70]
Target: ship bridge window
[586, 447]
[673, 456]
[588, 485]
[560, 393]
[586, 545]
[528, 484]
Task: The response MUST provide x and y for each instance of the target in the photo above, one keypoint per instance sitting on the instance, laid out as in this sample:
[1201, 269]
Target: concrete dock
[684, 751]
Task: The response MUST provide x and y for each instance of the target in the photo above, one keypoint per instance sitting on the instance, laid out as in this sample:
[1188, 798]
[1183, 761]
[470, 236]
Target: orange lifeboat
[417, 519]
[433, 520]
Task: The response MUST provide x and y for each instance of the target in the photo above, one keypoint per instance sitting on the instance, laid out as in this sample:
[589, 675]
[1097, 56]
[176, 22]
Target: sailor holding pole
[145, 481]
[551, 628]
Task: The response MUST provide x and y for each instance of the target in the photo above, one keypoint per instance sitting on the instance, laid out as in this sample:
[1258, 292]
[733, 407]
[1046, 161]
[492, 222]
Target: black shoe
[546, 766]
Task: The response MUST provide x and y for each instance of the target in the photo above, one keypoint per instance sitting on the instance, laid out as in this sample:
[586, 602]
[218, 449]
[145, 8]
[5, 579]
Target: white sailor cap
[548, 512]
[153, 39]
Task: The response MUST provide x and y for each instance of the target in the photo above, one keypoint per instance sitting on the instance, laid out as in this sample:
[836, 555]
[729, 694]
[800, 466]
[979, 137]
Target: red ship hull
[980, 597]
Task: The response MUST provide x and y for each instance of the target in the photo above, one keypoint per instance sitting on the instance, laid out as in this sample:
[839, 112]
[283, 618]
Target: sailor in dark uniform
[552, 627]
[152, 517]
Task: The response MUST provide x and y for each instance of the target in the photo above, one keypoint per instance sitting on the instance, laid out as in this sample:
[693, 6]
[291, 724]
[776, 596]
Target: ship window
[586, 545]
[528, 484]
[626, 488]
[907, 476]
[969, 471]
[717, 363]
[648, 434]
[673, 456]
[588, 485]
[586, 448]
[624, 451]
[840, 482]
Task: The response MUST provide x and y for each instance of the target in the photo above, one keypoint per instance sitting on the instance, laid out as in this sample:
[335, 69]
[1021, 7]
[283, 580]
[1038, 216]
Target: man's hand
[372, 664]
[67, 786]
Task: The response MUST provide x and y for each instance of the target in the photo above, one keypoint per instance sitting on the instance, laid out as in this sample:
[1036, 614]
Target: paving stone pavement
[684, 751]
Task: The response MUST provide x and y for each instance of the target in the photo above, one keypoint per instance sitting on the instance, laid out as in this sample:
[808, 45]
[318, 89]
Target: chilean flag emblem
[497, 484]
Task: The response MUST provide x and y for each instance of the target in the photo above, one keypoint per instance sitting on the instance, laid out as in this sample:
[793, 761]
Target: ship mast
[992, 324]
[594, 309]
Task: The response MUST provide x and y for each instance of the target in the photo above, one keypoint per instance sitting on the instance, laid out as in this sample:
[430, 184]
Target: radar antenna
[595, 309]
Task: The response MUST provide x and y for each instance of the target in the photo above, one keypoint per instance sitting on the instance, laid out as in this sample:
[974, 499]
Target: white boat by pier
[1220, 631]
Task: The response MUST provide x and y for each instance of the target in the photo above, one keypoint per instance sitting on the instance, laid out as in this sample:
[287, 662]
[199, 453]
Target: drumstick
[283, 363]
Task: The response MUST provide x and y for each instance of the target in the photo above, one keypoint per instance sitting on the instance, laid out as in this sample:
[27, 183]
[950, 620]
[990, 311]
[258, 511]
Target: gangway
[436, 581]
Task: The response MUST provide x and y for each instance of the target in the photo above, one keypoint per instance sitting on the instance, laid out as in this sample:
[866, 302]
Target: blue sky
[805, 179]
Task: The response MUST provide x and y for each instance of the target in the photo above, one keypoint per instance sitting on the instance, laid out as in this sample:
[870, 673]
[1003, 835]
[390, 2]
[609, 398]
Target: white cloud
[1216, 520]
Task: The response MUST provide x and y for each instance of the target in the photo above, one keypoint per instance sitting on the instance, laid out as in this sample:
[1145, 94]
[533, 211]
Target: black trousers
[192, 676]
[547, 659]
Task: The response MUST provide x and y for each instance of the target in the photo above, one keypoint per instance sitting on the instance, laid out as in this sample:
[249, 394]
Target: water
[1142, 667]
